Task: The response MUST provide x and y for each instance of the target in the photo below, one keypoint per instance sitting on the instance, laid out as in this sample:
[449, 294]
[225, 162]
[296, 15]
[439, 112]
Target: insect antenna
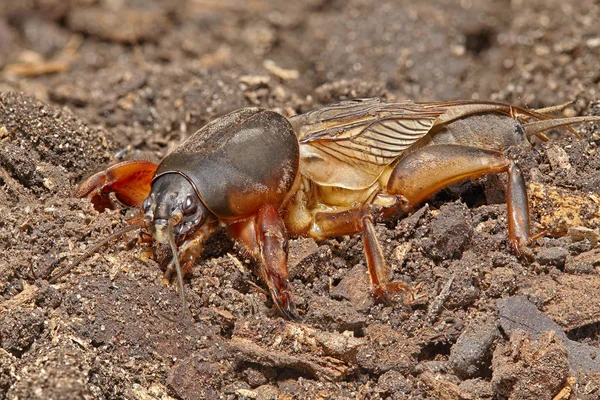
[174, 220]
[538, 128]
[553, 109]
[94, 249]
[541, 115]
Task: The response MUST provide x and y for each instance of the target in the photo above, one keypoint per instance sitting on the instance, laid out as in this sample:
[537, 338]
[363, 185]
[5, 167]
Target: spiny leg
[360, 220]
[519, 232]
[379, 273]
[264, 236]
[274, 251]
[430, 169]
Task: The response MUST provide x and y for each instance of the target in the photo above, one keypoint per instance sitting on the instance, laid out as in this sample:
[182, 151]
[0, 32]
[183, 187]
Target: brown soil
[86, 82]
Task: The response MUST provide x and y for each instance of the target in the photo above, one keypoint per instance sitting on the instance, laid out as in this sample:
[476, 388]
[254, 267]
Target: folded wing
[349, 144]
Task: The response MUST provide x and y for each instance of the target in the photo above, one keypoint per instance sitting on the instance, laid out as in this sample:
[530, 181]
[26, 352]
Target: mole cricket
[329, 172]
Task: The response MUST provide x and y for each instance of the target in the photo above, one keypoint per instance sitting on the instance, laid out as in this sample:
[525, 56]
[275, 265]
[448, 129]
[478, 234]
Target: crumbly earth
[87, 82]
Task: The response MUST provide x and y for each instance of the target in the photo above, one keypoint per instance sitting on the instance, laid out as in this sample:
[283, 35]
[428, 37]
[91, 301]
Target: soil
[88, 82]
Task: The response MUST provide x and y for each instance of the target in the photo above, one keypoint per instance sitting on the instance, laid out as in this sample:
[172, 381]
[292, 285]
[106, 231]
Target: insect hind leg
[430, 169]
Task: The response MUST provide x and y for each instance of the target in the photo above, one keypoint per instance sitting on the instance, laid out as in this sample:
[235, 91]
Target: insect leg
[353, 221]
[378, 270]
[265, 238]
[130, 181]
[426, 171]
[518, 211]
[191, 249]
[430, 169]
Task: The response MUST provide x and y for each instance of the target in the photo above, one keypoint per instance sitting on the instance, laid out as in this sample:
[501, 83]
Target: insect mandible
[329, 172]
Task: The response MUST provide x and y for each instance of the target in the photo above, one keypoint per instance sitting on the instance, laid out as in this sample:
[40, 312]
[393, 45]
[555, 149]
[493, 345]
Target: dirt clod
[530, 369]
[19, 329]
[470, 355]
[7, 372]
[338, 314]
[192, 378]
[450, 231]
[47, 144]
[479, 388]
[387, 351]
[48, 297]
[503, 280]
[555, 256]
[127, 26]
[393, 383]
[356, 288]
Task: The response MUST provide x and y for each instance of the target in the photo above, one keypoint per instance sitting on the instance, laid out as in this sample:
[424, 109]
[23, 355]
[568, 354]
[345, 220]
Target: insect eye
[190, 205]
[146, 205]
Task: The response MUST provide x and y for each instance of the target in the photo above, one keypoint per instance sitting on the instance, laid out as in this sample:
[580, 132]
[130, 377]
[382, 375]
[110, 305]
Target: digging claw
[389, 292]
[284, 303]
[522, 250]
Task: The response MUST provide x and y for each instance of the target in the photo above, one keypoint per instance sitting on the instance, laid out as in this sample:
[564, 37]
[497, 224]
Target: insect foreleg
[129, 180]
[191, 249]
[265, 238]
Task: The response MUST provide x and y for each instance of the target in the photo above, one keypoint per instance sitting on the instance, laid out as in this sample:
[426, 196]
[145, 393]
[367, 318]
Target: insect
[329, 172]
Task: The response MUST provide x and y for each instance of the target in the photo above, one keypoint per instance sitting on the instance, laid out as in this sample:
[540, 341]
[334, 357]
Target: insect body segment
[325, 173]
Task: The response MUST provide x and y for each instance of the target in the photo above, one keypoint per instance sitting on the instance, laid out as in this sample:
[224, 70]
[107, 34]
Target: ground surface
[82, 80]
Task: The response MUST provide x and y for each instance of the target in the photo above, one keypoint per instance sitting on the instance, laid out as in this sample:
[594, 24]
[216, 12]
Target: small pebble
[470, 355]
[580, 233]
[555, 256]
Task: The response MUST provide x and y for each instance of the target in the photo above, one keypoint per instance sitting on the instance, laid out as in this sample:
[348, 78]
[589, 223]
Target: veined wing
[349, 144]
[365, 130]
